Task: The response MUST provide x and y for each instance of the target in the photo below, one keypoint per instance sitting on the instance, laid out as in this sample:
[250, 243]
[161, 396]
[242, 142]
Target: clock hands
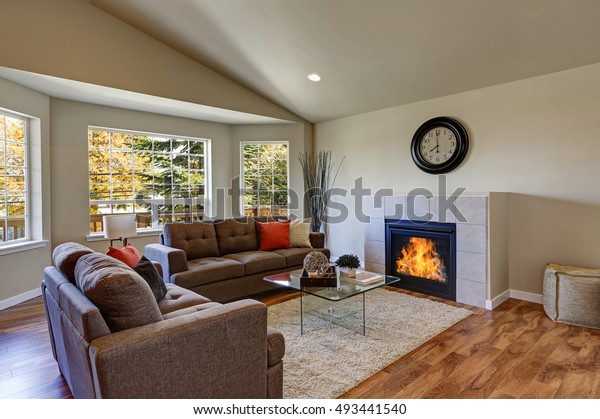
[437, 142]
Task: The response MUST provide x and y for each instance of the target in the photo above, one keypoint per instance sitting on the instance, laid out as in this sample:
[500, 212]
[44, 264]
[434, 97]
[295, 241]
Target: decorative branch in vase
[317, 170]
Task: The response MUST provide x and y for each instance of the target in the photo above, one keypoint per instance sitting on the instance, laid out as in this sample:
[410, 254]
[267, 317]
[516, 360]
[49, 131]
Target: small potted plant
[348, 265]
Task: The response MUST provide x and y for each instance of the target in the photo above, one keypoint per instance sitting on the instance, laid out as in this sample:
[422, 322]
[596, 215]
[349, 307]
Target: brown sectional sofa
[221, 260]
[112, 339]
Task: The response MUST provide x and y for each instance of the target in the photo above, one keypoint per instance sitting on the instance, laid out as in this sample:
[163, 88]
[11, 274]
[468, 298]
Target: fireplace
[423, 254]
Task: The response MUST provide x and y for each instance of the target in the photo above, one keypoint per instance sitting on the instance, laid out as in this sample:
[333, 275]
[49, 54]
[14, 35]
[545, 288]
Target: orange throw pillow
[128, 255]
[274, 235]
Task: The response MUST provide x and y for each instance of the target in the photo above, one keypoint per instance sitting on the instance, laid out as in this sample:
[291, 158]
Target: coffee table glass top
[346, 287]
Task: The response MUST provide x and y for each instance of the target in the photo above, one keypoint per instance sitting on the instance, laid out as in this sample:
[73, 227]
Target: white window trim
[241, 182]
[156, 230]
[22, 246]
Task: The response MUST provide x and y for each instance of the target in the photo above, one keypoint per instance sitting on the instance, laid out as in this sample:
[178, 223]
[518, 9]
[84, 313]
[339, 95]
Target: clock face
[437, 145]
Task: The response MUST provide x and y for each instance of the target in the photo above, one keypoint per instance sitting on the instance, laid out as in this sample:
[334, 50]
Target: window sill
[22, 247]
[146, 233]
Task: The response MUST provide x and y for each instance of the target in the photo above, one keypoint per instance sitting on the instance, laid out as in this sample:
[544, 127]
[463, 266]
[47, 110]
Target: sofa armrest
[220, 352]
[275, 346]
[171, 260]
[317, 239]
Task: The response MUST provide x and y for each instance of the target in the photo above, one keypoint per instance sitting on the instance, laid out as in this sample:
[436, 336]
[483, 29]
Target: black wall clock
[439, 145]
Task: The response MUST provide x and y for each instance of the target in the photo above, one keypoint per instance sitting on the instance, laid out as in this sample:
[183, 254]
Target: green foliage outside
[160, 178]
[265, 178]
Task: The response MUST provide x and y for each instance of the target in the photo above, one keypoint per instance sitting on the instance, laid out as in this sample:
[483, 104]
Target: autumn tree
[146, 174]
[13, 166]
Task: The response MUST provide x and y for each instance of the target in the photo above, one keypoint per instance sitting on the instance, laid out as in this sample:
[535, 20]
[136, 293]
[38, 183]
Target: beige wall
[546, 230]
[536, 137]
[22, 272]
[74, 40]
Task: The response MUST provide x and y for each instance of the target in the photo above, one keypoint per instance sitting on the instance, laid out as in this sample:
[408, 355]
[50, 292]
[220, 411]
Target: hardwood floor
[514, 351]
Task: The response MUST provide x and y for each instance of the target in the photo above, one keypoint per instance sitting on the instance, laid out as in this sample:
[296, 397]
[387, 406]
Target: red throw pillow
[274, 235]
[128, 255]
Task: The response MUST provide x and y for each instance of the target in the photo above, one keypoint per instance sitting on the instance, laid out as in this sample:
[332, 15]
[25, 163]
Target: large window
[265, 178]
[14, 191]
[160, 179]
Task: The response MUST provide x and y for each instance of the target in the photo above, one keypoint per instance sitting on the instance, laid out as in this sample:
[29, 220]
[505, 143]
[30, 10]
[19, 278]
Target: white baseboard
[492, 304]
[527, 296]
[516, 294]
[17, 299]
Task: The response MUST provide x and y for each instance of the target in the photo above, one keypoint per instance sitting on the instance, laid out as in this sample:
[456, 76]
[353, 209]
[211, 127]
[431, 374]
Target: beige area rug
[329, 360]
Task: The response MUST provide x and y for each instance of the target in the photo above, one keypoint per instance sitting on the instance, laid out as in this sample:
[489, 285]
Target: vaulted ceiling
[371, 54]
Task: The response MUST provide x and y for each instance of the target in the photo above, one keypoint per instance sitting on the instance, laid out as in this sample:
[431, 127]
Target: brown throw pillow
[146, 269]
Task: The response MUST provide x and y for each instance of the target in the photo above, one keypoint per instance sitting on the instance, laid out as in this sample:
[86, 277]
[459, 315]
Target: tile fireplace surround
[474, 249]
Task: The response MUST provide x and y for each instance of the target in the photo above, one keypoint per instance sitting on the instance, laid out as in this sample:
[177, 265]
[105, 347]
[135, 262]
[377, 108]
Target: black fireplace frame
[431, 230]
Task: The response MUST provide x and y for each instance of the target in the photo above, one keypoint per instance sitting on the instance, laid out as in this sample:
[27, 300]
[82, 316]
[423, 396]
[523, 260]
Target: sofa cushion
[294, 256]
[197, 240]
[146, 269]
[65, 257]
[178, 298]
[128, 255]
[274, 235]
[208, 270]
[300, 234]
[258, 261]
[236, 235]
[122, 296]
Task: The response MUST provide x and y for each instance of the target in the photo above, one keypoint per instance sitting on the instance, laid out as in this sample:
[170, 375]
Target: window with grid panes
[14, 186]
[158, 178]
[264, 180]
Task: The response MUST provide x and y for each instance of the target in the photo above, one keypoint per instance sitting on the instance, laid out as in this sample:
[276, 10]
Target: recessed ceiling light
[313, 77]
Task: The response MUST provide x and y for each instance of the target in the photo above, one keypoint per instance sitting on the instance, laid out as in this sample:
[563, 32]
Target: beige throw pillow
[300, 234]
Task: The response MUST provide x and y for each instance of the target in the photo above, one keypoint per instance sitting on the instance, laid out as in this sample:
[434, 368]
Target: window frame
[242, 174]
[17, 243]
[155, 227]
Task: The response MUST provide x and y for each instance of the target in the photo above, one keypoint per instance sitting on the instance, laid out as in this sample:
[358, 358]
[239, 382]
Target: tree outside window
[265, 178]
[13, 178]
[159, 179]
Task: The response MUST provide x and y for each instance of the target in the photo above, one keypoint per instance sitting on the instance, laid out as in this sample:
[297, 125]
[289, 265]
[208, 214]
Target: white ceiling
[371, 54]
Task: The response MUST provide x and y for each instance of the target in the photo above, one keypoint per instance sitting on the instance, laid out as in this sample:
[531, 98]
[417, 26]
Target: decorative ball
[316, 261]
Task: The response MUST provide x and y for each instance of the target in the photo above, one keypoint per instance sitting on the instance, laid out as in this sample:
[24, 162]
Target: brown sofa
[221, 260]
[114, 340]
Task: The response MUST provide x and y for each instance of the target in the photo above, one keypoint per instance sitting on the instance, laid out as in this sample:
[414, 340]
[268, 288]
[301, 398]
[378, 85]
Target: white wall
[22, 272]
[537, 137]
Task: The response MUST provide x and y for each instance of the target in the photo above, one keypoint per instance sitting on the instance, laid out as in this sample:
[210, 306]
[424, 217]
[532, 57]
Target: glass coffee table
[342, 305]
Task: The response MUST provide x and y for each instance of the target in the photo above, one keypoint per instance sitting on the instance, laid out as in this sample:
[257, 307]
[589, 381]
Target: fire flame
[421, 259]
